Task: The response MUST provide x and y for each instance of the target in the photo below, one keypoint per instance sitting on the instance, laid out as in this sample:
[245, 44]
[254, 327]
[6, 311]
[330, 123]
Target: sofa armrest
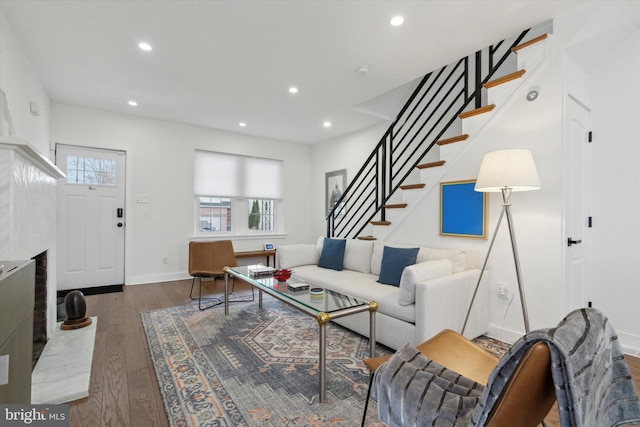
[421, 272]
[289, 256]
[442, 303]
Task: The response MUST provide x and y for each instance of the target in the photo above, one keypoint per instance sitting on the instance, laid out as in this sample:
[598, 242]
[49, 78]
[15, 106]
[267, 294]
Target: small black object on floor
[60, 295]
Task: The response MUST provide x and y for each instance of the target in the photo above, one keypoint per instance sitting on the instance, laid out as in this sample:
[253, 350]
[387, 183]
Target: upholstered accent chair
[208, 260]
[528, 396]
[579, 362]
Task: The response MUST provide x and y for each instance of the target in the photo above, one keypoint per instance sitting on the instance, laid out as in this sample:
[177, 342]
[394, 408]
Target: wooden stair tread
[504, 79]
[366, 238]
[412, 186]
[477, 111]
[385, 223]
[396, 206]
[453, 139]
[431, 164]
[529, 43]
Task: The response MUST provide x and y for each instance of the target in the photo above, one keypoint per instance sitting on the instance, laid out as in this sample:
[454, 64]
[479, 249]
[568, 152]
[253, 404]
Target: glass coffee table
[325, 307]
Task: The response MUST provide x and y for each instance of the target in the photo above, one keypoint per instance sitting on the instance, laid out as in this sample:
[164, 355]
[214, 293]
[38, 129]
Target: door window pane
[89, 170]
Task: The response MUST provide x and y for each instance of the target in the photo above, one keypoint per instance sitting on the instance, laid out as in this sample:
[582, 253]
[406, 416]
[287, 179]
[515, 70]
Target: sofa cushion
[376, 255]
[290, 256]
[418, 273]
[359, 285]
[357, 255]
[332, 255]
[394, 260]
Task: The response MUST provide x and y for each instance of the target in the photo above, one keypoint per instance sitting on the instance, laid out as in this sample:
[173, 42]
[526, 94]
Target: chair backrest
[210, 258]
[529, 393]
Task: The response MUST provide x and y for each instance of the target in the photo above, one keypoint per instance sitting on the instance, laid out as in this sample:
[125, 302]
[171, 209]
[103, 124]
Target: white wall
[21, 85]
[614, 90]
[616, 209]
[160, 166]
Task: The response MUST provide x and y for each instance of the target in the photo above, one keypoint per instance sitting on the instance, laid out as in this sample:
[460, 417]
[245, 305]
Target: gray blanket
[592, 380]
[413, 390]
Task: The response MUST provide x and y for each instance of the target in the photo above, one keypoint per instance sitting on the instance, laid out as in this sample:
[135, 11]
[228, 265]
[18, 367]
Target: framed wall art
[463, 211]
[335, 184]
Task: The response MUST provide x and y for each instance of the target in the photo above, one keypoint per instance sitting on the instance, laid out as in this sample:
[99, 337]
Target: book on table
[259, 269]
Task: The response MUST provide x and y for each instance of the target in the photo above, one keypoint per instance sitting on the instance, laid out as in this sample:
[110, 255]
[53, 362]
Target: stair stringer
[531, 59]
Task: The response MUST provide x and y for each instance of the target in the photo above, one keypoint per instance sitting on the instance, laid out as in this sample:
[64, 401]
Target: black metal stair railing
[429, 112]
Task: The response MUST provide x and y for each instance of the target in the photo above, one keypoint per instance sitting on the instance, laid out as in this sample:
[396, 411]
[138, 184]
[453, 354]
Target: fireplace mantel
[28, 198]
[32, 154]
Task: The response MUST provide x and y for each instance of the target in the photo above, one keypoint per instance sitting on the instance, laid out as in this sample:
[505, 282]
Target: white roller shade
[229, 175]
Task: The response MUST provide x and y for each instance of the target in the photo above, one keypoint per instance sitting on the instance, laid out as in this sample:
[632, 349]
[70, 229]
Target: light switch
[4, 369]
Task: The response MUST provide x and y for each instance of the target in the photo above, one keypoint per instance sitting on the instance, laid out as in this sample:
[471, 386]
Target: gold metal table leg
[373, 308]
[323, 320]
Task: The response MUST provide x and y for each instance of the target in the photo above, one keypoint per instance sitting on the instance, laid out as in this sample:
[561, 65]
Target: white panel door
[91, 217]
[578, 173]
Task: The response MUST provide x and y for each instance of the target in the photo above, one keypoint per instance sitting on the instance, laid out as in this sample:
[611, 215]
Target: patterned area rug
[259, 367]
[255, 367]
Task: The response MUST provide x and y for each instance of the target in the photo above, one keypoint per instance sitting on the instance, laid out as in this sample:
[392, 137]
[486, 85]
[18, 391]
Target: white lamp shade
[513, 169]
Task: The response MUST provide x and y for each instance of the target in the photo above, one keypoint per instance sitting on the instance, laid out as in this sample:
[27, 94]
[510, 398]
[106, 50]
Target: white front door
[577, 204]
[91, 217]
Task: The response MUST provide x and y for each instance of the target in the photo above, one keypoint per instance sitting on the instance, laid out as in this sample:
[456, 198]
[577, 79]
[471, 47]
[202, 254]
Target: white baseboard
[630, 343]
[502, 334]
[156, 278]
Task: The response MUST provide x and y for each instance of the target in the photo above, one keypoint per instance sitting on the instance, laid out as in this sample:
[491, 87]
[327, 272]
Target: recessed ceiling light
[397, 21]
[242, 124]
[327, 124]
[363, 69]
[145, 46]
[133, 103]
[293, 89]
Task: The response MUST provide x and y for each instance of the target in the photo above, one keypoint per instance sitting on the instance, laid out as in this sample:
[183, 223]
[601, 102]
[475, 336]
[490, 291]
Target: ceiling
[217, 63]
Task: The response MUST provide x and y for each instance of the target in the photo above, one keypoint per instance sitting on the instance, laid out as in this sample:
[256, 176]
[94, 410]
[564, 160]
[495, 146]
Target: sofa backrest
[456, 256]
[357, 254]
[366, 256]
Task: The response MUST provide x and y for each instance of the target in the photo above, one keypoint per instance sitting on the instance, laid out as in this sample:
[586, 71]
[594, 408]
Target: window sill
[229, 236]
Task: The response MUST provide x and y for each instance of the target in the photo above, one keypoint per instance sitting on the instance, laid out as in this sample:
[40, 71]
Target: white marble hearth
[63, 371]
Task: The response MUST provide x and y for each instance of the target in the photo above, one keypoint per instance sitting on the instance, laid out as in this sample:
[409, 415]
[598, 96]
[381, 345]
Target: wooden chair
[528, 395]
[208, 260]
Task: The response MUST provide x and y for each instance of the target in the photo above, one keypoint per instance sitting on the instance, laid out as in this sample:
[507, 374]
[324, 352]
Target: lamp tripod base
[506, 192]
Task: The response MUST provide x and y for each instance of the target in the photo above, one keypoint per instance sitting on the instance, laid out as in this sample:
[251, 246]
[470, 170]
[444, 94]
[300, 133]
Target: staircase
[447, 110]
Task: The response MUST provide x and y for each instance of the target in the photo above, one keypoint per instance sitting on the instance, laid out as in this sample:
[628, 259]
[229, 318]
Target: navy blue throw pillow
[394, 260]
[332, 254]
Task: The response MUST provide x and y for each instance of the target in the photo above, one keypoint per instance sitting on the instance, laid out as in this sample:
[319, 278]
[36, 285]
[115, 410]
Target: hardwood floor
[124, 390]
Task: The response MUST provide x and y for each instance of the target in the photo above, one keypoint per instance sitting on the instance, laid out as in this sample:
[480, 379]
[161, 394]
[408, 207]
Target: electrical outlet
[165, 260]
[502, 290]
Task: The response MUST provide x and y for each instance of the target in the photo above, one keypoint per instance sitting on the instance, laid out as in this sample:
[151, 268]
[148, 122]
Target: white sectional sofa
[433, 294]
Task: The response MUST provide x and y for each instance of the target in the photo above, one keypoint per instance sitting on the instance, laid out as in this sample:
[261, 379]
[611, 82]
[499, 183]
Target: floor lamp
[506, 171]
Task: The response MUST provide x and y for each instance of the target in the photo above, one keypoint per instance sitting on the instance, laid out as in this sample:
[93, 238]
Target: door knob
[570, 241]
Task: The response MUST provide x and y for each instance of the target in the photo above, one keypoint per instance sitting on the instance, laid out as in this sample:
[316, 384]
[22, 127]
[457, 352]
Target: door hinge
[589, 304]
[590, 137]
[590, 222]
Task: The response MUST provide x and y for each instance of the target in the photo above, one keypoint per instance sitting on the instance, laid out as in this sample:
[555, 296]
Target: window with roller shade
[237, 194]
